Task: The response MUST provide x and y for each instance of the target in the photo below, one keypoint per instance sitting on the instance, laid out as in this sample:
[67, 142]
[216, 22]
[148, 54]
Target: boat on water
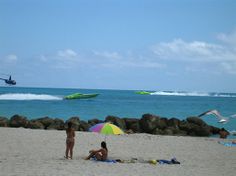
[80, 96]
[143, 92]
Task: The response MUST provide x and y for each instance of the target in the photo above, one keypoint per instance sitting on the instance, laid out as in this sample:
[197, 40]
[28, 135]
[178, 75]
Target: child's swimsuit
[70, 140]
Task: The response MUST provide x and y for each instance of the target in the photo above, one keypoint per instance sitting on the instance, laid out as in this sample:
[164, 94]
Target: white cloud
[229, 67]
[222, 54]
[117, 60]
[62, 59]
[68, 53]
[199, 51]
[11, 58]
[43, 58]
[228, 38]
[146, 64]
[108, 55]
[192, 56]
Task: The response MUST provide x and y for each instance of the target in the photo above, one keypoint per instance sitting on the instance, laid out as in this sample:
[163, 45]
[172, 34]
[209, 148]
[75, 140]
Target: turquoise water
[40, 102]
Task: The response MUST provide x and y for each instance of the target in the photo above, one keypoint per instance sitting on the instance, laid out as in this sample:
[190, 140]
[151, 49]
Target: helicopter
[9, 81]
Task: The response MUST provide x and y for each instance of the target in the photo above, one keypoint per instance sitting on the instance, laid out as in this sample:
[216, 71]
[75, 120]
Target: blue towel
[107, 160]
[172, 161]
[164, 162]
[228, 144]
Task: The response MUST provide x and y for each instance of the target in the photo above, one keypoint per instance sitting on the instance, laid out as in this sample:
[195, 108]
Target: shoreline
[40, 152]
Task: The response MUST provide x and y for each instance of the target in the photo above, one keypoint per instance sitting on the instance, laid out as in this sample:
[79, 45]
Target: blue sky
[187, 45]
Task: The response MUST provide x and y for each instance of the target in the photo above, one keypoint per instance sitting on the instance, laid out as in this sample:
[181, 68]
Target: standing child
[70, 141]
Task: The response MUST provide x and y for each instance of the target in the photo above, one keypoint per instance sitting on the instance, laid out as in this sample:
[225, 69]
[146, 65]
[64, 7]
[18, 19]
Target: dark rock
[202, 131]
[162, 123]
[172, 129]
[34, 124]
[130, 121]
[180, 132]
[149, 122]
[18, 121]
[75, 123]
[132, 124]
[57, 124]
[129, 131]
[158, 132]
[184, 125]
[168, 131]
[116, 121]
[46, 121]
[84, 126]
[173, 122]
[193, 129]
[94, 121]
[196, 120]
[4, 122]
[214, 130]
[135, 127]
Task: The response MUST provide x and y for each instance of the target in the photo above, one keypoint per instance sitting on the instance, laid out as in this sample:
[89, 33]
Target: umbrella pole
[105, 138]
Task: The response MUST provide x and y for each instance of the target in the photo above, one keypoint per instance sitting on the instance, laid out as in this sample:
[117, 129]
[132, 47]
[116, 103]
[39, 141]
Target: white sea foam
[28, 96]
[233, 132]
[199, 94]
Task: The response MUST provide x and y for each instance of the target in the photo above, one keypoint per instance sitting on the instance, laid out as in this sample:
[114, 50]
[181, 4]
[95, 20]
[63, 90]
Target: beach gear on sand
[132, 160]
[153, 161]
[106, 161]
[106, 128]
[172, 161]
[228, 144]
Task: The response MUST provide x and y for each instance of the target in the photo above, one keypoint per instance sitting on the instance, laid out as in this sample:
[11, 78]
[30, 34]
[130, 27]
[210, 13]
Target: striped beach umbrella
[106, 128]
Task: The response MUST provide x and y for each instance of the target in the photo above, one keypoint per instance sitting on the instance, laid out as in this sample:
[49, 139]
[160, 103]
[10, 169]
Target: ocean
[40, 102]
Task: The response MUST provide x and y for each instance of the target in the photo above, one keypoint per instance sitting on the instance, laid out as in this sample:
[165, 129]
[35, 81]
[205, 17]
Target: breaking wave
[28, 96]
[198, 94]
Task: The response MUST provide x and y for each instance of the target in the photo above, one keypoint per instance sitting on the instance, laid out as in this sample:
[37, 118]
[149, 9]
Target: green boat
[80, 96]
[143, 93]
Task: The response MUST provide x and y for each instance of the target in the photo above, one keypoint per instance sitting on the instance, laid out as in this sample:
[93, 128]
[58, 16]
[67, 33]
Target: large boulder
[4, 122]
[196, 120]
[149, 122]
[116, 121]
[168, 131]
[158, 131]
[202, 131]
[162, 123]
[75, 123]
[132, 124]
[18, 121]
[173, 122]
[46, 121]
[194, 129]
[57, 124]
[171, 130]
[35, 124]
[184, 125]
[94, 122]
[214, 130]
[84, 126]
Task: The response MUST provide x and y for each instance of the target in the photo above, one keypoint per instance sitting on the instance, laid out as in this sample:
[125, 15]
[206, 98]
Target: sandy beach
[41, 152]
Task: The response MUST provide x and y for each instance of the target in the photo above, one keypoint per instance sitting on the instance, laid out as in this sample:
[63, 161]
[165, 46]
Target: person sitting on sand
[70, 141]
[223, 133]
[101, 154]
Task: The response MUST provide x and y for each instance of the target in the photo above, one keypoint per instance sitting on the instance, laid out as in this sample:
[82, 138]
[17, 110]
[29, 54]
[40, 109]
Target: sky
[175, 45]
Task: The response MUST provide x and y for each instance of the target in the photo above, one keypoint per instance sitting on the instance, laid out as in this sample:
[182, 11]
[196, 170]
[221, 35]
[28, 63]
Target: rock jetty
[148, 123]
